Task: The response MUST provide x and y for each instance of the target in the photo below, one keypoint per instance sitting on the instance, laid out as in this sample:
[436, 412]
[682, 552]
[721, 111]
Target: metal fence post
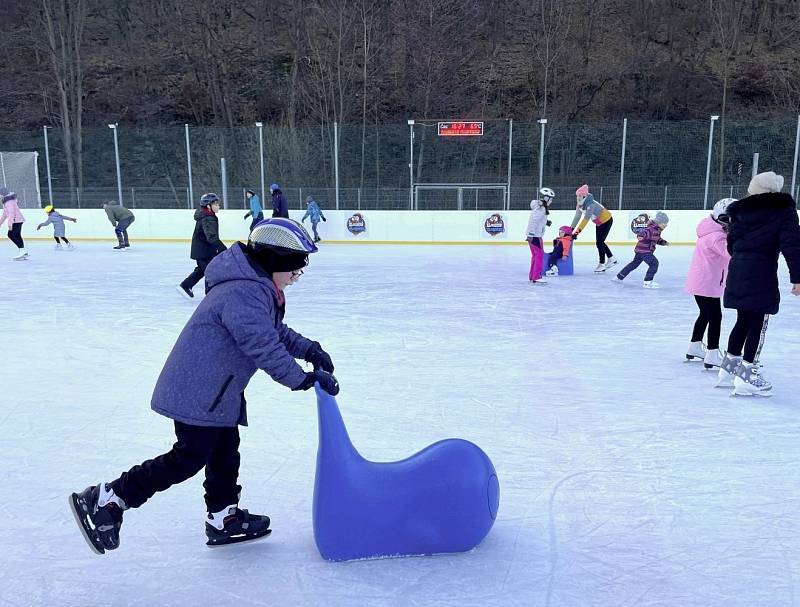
[665, 197]
[708, 162]
[189, 164]
[77, 196]
[796, 145]
[510, 140]
[622, 160]
[336, 159]
[542, 122]
[133, 199]
[755, 165]
[47, 160]
[113, 127]
[224, 183]
[601, 194]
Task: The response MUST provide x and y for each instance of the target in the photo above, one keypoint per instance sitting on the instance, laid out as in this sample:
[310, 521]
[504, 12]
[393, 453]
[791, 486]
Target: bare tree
[63, 22]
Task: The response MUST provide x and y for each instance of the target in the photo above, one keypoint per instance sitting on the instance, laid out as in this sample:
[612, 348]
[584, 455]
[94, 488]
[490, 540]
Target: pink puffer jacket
[709, 268]
[12, 213]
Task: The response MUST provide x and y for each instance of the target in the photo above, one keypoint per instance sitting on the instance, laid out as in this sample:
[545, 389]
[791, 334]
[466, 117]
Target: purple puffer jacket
[649, 238]
[236, 330]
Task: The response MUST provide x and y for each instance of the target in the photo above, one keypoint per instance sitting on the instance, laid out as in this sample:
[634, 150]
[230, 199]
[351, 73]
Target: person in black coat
[762, 226]
[205, 242]
[280, 208]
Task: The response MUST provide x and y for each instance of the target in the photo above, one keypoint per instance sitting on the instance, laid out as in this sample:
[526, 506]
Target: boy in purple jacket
[237, 329]
[643, 252]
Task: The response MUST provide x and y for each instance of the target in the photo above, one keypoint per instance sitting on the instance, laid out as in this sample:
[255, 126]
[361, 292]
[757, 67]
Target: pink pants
[537, 259]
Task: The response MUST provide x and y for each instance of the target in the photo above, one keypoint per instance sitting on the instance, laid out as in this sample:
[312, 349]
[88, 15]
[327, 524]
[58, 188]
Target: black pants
[60, 238]
[710, 317]
[314, 228]
[256, 219]
[15, 235]
[215, 448]
[197, 274]
[638, 258]
[121, 230]
[601, 233]
[748, 333]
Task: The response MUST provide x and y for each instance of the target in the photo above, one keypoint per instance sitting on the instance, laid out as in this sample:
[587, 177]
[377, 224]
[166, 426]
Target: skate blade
[238, 540]
[708, 367]
[762, 394]
[690, 358]
[84, 531]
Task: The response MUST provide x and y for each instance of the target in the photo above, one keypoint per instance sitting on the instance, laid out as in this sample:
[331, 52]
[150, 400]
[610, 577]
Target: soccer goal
[453, 149]
[19, 172]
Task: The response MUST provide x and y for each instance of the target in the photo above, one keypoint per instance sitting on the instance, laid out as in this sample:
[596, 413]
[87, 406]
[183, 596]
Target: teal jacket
[314, 212]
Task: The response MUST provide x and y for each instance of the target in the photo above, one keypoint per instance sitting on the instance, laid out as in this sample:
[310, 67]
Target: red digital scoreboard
[460, 129]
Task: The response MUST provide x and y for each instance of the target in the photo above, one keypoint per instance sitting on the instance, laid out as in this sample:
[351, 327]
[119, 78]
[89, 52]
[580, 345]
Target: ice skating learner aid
[442, 499]
[236, 330]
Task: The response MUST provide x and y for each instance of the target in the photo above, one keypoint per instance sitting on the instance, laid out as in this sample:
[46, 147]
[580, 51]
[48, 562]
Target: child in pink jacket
[706, 281]
[15, 219]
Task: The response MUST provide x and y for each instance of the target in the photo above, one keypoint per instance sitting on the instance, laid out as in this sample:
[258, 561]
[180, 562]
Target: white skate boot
[21, 256]
[651, 284]
[58, 246]
[552, 271]
[611, 262]
[726, 370]
[696, 351]
[601, 267]
[747, 381]
[712, 359]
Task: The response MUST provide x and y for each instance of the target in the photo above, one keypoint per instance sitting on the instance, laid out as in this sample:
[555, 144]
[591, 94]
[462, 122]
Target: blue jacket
[236, 330]
[314, 212]
[280, 208]
[255, 205]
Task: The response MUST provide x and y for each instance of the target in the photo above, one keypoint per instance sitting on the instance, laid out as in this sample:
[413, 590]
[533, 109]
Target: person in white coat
[537, 221]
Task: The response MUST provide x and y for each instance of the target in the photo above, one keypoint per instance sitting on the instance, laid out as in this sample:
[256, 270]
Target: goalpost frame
[460, 187]
[412, 189]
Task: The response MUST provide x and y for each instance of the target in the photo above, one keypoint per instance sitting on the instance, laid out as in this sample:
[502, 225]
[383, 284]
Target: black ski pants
[710, 316]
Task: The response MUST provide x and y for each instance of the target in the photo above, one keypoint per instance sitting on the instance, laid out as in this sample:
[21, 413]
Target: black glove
[326, 381]
[575, 235]
[323, 219]
[319, 358]
[548, 223]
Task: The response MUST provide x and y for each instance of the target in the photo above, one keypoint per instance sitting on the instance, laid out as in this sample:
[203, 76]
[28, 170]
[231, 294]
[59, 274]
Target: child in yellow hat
[57, 219]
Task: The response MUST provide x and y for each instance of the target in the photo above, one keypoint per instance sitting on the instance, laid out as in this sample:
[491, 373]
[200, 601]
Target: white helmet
[547, 193]
[720, 211]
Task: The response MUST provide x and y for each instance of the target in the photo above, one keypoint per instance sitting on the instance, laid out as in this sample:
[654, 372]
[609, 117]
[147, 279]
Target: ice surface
[626, 478]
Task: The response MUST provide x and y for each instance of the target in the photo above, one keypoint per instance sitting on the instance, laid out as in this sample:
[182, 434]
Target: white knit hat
[764, 183]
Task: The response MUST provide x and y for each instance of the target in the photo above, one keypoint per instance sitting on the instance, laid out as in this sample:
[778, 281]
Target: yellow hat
[48, 208]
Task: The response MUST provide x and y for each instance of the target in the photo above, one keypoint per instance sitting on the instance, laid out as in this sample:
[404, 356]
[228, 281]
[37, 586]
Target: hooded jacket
[280, 208]
[205, 238]
[537, 220]
[762, 227]
[708, 270]
[237, 329]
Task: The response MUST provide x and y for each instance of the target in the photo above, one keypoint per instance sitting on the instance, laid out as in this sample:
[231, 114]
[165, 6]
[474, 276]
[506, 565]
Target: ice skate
[233, 525]
[696, 351]
[651, 284]
[601, 267]
[185, 291]
[552, 271]
[70, 247]
[119, 247]
[726, 371]
[611, 262]
[539, 282]
[713, 358]
[98, 512]
[58, 247]
[747, 381]
[617, 279]
[21, 256]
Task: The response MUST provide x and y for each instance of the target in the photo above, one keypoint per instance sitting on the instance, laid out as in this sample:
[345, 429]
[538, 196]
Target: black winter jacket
[762, 227]
[280, 208]
[205, 239]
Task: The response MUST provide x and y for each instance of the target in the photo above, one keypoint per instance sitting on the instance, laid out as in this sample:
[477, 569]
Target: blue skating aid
[442, 499]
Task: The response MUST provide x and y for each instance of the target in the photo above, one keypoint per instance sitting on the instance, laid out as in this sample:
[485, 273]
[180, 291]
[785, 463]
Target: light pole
[622, 160]
[714, 118]
[508, 186]
[796, 147]
[260, 126]
[189, 165]
[113, 127]
[47, 160]
[541, 121]
[411, 165]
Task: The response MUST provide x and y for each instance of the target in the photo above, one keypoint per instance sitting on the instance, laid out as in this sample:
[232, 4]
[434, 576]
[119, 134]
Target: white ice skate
[697, 351]
[611, 262]
[747, 381]
[58, 246]
[713, 358]
[539, 282]
[70, 247]
[726, 370]
[651, 284]
[616, 279]
[601, 267]
[552, 271]
[21, 256]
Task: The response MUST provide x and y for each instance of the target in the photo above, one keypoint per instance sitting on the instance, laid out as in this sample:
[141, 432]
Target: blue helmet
[281, 235]
[273, 187]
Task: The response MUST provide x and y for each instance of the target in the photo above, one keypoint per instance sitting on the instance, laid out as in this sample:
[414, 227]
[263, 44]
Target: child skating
[561, 249]
[590, 209]
[15, 219]
[706, 281]
[762, 226]
[237, 329]
[537, 220]
[648, 238]
[59, 231]
[315, 214]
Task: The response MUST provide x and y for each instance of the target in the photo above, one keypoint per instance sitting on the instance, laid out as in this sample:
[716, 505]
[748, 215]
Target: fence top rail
[459, 185]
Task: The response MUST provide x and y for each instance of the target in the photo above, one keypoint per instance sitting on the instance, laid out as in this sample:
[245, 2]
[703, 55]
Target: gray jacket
[57, 219]
[237, 329]
[116, 213]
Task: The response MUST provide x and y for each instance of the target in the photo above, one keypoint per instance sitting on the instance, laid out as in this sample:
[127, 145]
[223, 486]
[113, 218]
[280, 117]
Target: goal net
[20, 173]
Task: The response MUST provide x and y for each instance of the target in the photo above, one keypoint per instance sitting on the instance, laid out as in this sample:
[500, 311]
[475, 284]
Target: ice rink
[625, 477]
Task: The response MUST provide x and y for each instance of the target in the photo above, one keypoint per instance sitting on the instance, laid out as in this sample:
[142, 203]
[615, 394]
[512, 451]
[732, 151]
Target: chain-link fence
[375, 166]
